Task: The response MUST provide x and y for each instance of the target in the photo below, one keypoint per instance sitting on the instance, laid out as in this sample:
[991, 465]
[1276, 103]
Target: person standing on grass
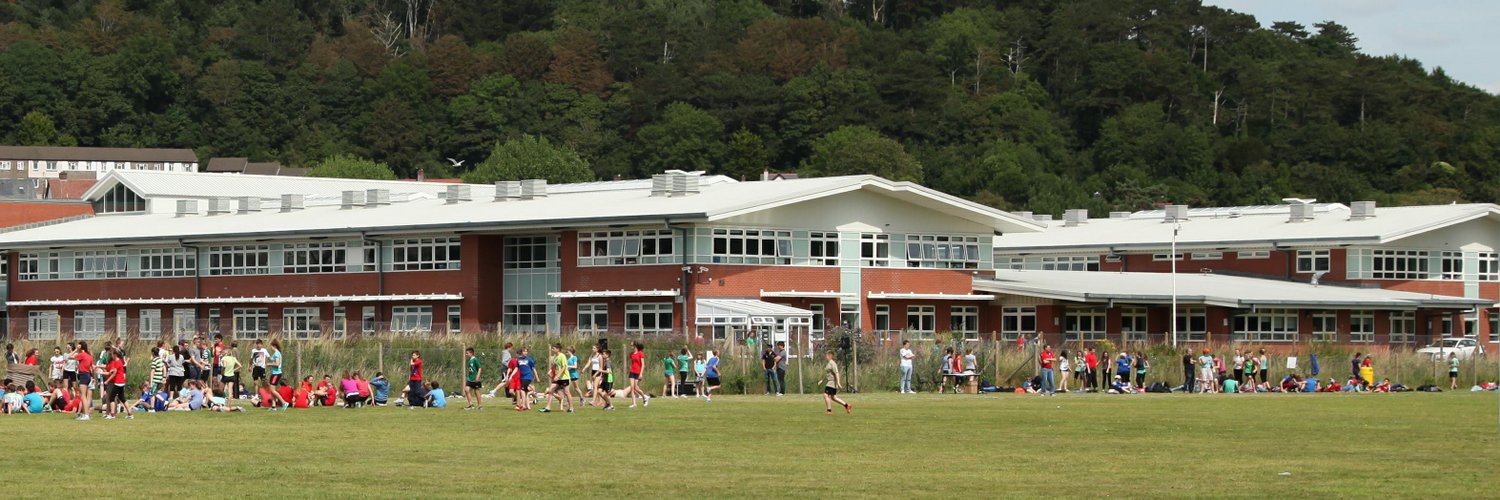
[906, 366]
[1452, 371]
[1206, 372]
[59, 360]
[230, 365]
[1122, 367]
[414, 382]
[1063, 369]
[604, 392]
[258, 355]
[218, 358]
[781, 368]
[472, 383]
[1141, 366]
[637, 365]
[1045, 359]
[832, 381]
[596, 370]
[114, 385]
[176, 370]
[669, 373]
[560, 380]
[684, 363]
[768, 363]
[275, 363]
[526, 369]
[85, 379]
[1187, 373]
[573, 373]
[711, 373]
[698, 367]
[946, 373]
[1354, 366]
[158, 376]
[70, 366]
[1263, 365]
[1091, 365]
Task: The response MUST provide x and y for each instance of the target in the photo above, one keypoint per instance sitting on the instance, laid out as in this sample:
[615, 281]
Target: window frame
[431, 253]
[239, 260]
[636, 314]
[411, 319]
[251, 323]
[921, 321]
[593, 311]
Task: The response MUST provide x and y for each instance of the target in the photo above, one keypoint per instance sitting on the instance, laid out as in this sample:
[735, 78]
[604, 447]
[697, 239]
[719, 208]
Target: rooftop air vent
[533, 188]
[219, 205]
[507, 190]
[661, 185]
[1119, 215]
[248, 204]
[1361, 210]
[377, 197]
[457, 193]
[1075, 216]
[187, 207]
[1176, 213]
[293, 202]
[351, 199]
[1302, 212]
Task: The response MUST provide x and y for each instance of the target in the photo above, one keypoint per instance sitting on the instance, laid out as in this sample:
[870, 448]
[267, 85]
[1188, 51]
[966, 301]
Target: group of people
[1126, 373]
[1251, 372]
[520, 374]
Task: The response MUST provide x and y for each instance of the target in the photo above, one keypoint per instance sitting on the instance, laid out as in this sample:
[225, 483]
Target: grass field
[1391, 445]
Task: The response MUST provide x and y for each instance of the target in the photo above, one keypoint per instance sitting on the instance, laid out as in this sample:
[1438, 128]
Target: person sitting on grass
[1383, 386]
[1120, 386]
[381, 389]
[219, 402]
[349, 388]
[300, 398]
[32, 402]
[267, 397]
[153, 402]
[436, 398]
[190, 399]
[1231, 385]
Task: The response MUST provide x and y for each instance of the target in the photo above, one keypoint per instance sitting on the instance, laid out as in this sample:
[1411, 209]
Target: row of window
[1365, 263]
[646, 317]
[102, 166]
[417, 254]
[248, 323]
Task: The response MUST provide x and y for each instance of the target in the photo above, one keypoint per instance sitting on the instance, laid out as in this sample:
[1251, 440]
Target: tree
[351, 167]
[525, 56]
[36, 130]
[531, 157]
[577, 63]
[746, 156]
[856, 150]
[686, 138]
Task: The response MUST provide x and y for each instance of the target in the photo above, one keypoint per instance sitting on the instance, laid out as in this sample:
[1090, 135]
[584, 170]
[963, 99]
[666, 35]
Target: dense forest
[1020, 104]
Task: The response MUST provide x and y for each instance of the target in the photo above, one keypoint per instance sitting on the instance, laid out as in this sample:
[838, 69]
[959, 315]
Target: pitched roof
[1243, 227]
[97, 154]
[416, 207]
[1206, 289]
[222, 164]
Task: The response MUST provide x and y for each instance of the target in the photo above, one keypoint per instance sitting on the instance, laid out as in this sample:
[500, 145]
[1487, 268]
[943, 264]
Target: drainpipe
[687, 278]
[197, 283]
[379, 277]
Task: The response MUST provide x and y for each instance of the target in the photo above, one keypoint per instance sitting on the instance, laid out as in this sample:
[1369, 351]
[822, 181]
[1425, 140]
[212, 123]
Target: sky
[1459, 36]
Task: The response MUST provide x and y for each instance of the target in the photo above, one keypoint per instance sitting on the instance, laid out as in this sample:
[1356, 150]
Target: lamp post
[1172, 255]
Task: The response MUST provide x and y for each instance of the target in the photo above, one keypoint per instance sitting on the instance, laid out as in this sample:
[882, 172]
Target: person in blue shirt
[382, 389]
[527, 370]
[32, 402]
[711, 372]
[1122, 367]
[436, 398]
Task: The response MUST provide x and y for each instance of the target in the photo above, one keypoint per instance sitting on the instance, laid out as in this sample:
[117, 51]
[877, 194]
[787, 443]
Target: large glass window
[308, 258]
[340, 322]
[1085, 324]
[1267, 325]
[648, 317]
[97, 264]
[921, 321]
[525, 317]
[1133, 324]
[964, 320]
[88, 324]
[614, 248]
[1192, 324]
[1399, 264]
[150, 327]
[1489, 266]
[411, 319]
[527, 252]
[1403, 327]
[1070, 263]
[942, 251]
[42, 325]
[251, 323]
[1361, 326]
[184, 322]
[752, 246]
[425, 254]
[119, 199]
[300, 323]
[455, 318]
[1452, 266]
[875, 250]
[1312, 261]
[882, 318]
[819, 321]
[593, 317]
[239, 260]
[1325, 327]
[1016, 321]
[167, 262]
[824, 248]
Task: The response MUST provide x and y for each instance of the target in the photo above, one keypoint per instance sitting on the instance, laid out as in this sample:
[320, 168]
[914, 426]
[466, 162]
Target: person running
[605, 391]
[906, 365]
[637, 366]
[504, 382]
[711, 374]
[684, 364]
[229, 366]
[1452, 371]
[1046, 358]
[274, 366]
[832, 381]
[472, 381]
[669, 373]
[558, 369]
[258, 356]
[414, 382]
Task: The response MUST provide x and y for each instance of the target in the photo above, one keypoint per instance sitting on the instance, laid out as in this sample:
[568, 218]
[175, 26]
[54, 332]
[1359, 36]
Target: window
[1085, 324]
[1361, 326]
[309, 258]
[752, 246]
[824, 248]
[99, 264]
[527, 252]
[648, 318]
[1494, 316]
[1017, 321]
[1489, 266]
[455, 318]
[921, 321]
[213, 321]
[38, 266]
[613, 248]
[119, 199]
[1452, 266]
[1253, 254]
[150, 327]
[425, 254]
[43, 325]
[88, 325]
[1070, 263]
[1013, 263]
[942, 252]
[525, 317]
[1267, 325]
[875, 250]
[299, 323]
[1325, 327]
[1404, 327]
[239, 260]
[882, 318]
[1192, 324]
[593, 317]
[1312, 261]
[167, 262]
[251, 323]
[1399, 265]
[1163, 257]
[819, 321]
[340, 322]
[367, 320]
[1133, 324]
[411, 319]
[965, 320]
[1207, 255]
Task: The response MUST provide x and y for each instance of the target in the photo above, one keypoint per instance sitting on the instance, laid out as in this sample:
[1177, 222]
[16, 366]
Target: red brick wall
[15, 213]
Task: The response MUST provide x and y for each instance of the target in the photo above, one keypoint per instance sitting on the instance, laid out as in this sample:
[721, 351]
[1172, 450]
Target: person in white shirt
[59, 361]
[906, 357]
[258, 357]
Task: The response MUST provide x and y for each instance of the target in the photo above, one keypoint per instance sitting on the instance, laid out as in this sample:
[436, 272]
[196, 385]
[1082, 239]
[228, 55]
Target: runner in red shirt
[637, 365]
[522, 403]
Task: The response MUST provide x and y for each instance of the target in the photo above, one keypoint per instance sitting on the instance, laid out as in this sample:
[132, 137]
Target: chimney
[377, 197]
[187, 207]
[351, 199]
[1119, 215]
[293, 202]
[1176, 213]
[457, 193]
[421, 175]
[219, 205]
[661, 185]
[1075, 216]
[1361, 210]
[533, 188]
[248, 204]
[1301, 212]
[507, 190]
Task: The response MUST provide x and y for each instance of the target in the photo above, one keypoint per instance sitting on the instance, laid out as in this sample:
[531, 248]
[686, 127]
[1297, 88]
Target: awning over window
[742, 312]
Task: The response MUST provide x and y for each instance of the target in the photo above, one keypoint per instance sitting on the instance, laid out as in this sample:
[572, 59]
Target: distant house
[245, 166]
[45, 162]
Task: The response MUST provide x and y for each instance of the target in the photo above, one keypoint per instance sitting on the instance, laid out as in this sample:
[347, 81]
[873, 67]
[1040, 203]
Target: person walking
[557, 363]
[472, 381]
[637, 368]
[275, 364]
[1452, 371]
[1046, 358]
[832, 381]
[906, 365]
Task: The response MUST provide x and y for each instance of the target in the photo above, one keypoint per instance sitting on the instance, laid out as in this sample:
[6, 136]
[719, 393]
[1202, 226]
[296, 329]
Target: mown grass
[926, 445]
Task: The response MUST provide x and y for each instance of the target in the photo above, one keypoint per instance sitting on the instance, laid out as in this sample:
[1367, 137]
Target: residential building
[37, 162]
[245, 166]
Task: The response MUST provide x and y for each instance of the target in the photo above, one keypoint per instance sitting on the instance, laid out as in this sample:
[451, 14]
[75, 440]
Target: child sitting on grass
[436, 398]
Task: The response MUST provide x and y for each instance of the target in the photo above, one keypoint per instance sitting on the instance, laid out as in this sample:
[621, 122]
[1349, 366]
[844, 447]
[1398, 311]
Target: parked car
[1465, 347]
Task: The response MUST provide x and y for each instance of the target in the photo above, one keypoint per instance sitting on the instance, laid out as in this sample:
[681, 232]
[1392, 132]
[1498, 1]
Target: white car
[1465, 347]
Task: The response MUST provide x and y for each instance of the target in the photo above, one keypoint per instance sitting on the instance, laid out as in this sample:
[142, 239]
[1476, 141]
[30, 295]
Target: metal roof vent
[457, 193]
[1023, 215]
[187, 207]
[248, 204]
[686, 183]
[219, 205]
[1076, 216]
[351, 199]
[1361, 210]
[507, 190]
[1176, 213]
[533, 188]
[1119, 215]
[377, 197]
[1042, 217]
[661, 185]
[292, 202]
[1302, 211]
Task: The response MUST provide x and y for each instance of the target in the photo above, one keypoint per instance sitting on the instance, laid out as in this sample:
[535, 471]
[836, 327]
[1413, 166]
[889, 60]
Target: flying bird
[456, 163]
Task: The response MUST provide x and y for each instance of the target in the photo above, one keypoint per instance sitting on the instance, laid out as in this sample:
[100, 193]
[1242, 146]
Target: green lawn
[1394, 445]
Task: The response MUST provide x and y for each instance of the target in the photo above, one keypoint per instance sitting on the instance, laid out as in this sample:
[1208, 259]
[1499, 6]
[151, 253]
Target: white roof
[595, 294]
[1206, 289]
[748, 307]
[1243, 227]
[573, 205]
[825, 294]
[929, 296]
[309, 299]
